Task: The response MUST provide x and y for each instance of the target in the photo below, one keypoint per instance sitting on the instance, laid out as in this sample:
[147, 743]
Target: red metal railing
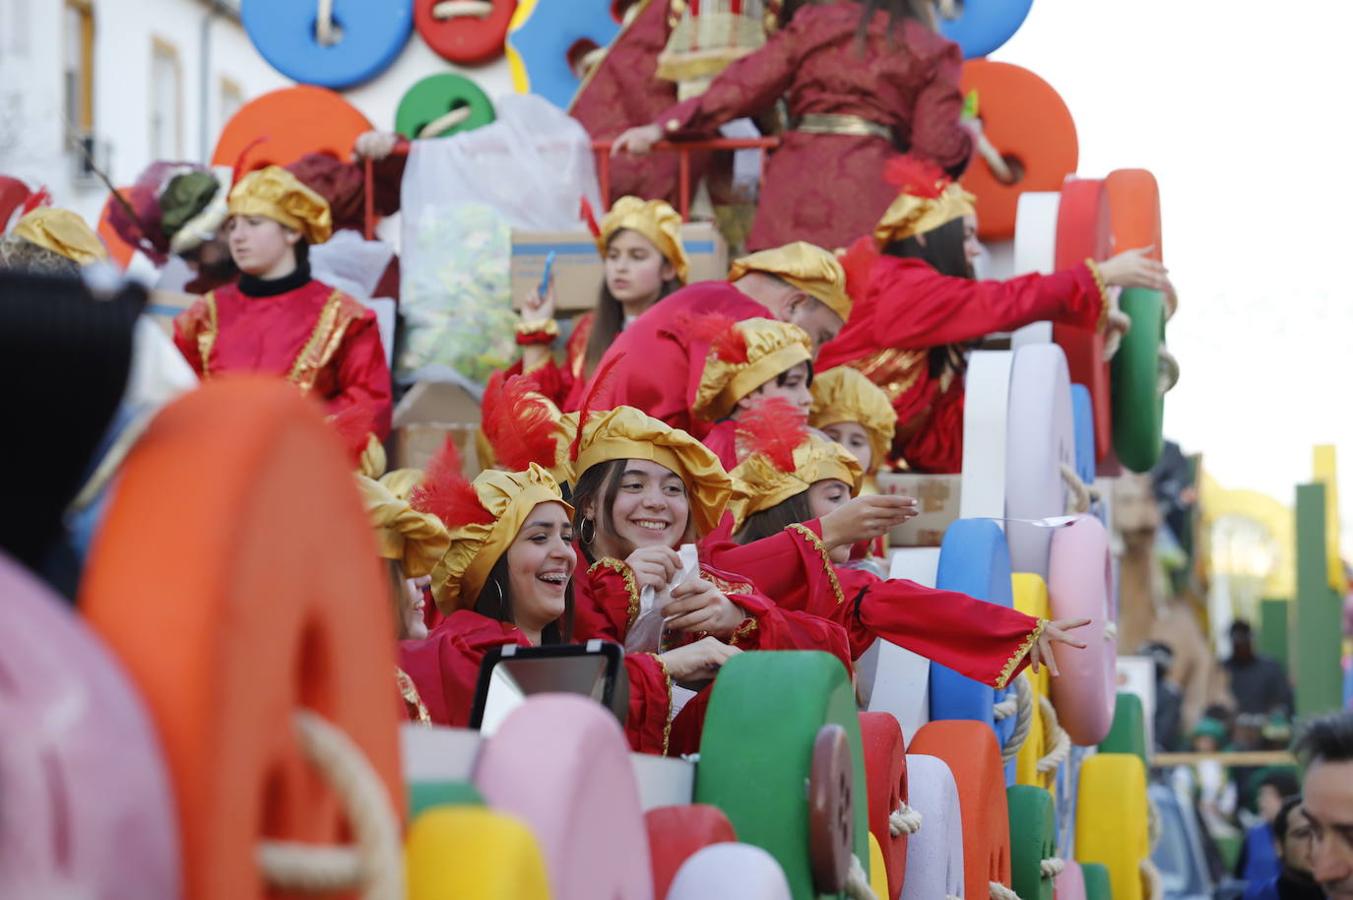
[602, 150]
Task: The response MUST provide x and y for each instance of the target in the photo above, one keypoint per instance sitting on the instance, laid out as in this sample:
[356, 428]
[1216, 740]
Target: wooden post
[1318, 622]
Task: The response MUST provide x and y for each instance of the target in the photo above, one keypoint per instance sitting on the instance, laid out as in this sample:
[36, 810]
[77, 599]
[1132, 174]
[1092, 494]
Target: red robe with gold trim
[562, 384]
[828, 189]
[907, 308]
[662, 362]
[318, 338]
[983, 641]
[445, 669]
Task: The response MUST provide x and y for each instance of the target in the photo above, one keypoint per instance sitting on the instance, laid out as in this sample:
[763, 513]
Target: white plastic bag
[351, 263]
[645, 635]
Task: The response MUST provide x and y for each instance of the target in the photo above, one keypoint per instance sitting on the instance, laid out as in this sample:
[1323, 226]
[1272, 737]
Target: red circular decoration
[466, 40]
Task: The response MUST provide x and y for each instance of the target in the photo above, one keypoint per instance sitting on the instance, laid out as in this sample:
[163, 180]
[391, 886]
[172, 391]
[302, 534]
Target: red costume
[983, 641]
[662, 362]
[563, 385]
[318, 338]
[723, 440]
[606, 603]
[825, 184]
[445, 669]
[907, 308]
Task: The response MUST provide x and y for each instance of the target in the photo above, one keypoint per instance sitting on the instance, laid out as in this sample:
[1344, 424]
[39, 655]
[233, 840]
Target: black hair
[1283, 781]
[495, 601]
[1326, 739]
[302, 249]
[1290, 803]
[1241, 625]
[942, 249]
[608, 318]
[598, 488]
[770, 522]
[897, 10]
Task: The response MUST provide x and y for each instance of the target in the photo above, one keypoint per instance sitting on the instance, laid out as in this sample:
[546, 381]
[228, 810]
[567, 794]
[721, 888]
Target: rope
[1111, 631]
[857, 883]
[1025, 692]
[1153, 825]
[999, 167]
[591, 59]
[904, 820]
[442, 124]
[1153, 886]
[1051, 868]
[950, 9]
[1006, 708]
[1081, 496]
[1001, 892]
[1168, 375]
[452, 9]
[375, 864]
[1061, 741]
[324, 23]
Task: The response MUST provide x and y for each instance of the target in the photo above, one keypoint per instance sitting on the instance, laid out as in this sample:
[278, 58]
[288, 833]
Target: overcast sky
[1243, 119]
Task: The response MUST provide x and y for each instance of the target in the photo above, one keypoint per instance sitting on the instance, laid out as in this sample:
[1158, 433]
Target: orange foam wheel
[119, 250]
[290, 122]
[236, 578]
[1026, 120]
[885, 769]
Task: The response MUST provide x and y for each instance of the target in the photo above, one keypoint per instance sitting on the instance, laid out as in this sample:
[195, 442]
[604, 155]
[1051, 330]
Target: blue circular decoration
[550, 33]
[370, 35]
[986, 25]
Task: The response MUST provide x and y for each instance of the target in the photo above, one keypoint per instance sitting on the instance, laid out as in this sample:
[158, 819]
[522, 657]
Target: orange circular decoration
[1134, 209]
[119, 250]
[288, 124]
[236, 579]
[1027, 122]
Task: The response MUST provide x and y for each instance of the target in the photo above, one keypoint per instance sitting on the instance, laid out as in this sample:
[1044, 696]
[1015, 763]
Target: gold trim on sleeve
[626, 573]
[1019, 655]
[806, 533]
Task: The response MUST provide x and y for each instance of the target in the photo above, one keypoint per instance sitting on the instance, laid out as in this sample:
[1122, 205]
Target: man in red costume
[279, 320]
[655, 365]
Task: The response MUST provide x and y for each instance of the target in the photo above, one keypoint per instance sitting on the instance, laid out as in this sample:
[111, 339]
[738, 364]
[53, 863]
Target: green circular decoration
[1128, 732]
[1032, 820]
[1138, 405]
[438, 95]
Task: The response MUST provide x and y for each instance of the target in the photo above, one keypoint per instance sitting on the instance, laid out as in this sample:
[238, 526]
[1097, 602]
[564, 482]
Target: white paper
[645, 635]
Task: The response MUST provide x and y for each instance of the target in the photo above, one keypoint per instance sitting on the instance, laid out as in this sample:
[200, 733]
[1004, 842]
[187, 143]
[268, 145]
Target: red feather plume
[587, 215]
[446, 493]
[40, 197]
[240, 171]
[858, 263]
[354, 425]
[774, 428]
[720, 332]
[915, 176]
[519, 423]
[600, 379]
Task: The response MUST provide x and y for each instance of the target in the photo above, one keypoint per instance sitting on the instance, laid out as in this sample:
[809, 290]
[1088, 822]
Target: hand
[375, 145]
[698, 605]
[697, 662]
[1117, 325]
[1055, 633]
[536, 308]
[865, 518]
[654, 566]
[1133, 268]
[636, 141]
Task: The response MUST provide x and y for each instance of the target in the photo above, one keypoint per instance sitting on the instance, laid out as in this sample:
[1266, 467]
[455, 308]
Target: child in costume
[917, 301]
[279, 320]
[779, 490]
[644, 260]
[506, 581]
[658, 361]
[862, 80]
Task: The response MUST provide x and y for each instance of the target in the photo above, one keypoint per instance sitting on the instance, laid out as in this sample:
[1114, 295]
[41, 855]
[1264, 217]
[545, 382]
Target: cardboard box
[938, 501]
[429, 413]
[578, 270]
[164, 307]
[416, 444]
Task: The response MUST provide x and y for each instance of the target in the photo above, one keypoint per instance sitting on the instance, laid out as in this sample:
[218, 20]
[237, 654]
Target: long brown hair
[608, 318]
[598, 487]
[770, 522]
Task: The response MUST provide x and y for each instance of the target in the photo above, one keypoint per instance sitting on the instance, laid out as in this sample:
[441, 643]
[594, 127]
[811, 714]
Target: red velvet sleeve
[909, 305]
[935, 130]
[549, 380]
[747, 87]
[187, 325]
[648, 725]
[363, 374]
[605, 601]
[775, 564]
[984, 641]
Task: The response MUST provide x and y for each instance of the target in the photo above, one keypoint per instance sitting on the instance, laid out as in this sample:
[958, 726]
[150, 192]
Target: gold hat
[844, 394]
[417, 540]
[276, 194]
[656, 221]
[810, 269]
[761, 484]
[626, 433]
[63, 232]
[744, 356]
[506, 499]
[928, 199]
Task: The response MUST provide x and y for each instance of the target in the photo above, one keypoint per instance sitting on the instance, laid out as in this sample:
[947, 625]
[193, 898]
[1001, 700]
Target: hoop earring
[502, 603]
[583, 535]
